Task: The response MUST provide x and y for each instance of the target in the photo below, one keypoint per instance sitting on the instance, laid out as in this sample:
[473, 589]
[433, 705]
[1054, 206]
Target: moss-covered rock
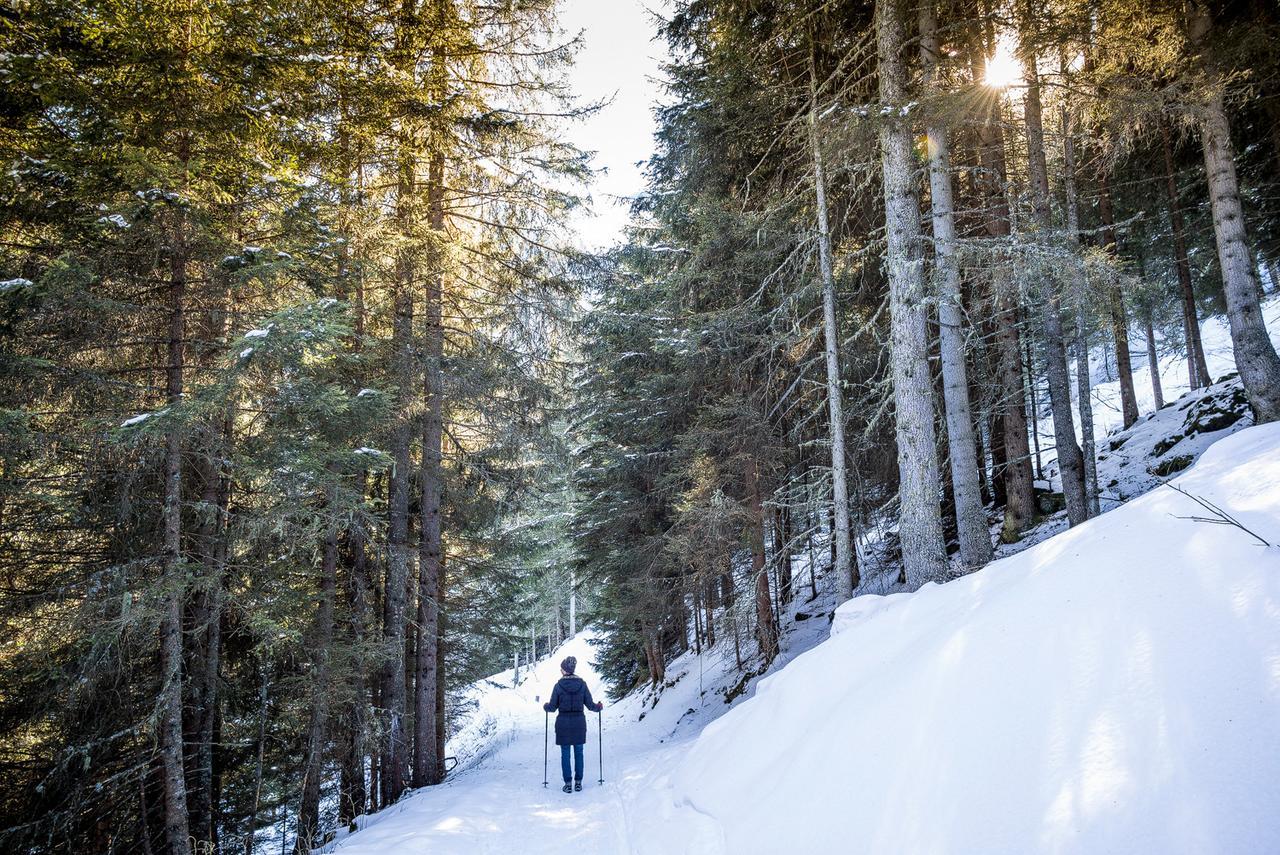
[1177, 463]
[1165, 444]
[1050, 502]
[1216, 411]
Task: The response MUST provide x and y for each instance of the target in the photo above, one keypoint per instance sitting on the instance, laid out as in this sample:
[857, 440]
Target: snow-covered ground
[501, 806]
[1215, 336]
[1113, 689]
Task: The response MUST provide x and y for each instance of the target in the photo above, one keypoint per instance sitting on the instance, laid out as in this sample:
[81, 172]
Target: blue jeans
[577, 761]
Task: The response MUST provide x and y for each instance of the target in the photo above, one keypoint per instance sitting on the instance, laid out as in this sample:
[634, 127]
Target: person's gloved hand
[599, 706]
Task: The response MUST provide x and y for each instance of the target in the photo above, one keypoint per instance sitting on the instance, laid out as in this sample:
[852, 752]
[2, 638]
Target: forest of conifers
[315, 411]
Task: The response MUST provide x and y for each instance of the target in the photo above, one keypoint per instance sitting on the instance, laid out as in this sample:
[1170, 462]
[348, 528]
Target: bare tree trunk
[766, 624]
[1153, 361]
[1197, 367]
[394, 751]
[971, 519]
[1033, 410]
[782, 536]
[442, 618]
[204, 631]
[831, 336]
[1084, 389]
[709, 621]
[1070, 460]
[353, 793]
[176, 820]
[1256, 358]
[920, 519]
[427, 759]
[1115, 305]
[1010, 448]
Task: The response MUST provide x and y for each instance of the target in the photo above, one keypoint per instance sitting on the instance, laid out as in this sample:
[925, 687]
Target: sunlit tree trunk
[920, 519]
[1256, 358]
[176, 824]
[427, 761]
[971, 519]
[1197, 367]
[1010, 445]
[1084, 391]
[1070, 460]
[831, 339]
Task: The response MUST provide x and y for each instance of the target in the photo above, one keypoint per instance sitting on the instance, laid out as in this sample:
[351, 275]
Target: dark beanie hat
[569, 664]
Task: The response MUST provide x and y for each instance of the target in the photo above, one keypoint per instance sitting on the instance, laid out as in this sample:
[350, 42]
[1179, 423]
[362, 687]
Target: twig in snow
[1220, 517]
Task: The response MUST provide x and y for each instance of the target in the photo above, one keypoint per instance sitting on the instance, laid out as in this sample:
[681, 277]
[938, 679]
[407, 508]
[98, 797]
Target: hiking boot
[568, 788]
[577, 785]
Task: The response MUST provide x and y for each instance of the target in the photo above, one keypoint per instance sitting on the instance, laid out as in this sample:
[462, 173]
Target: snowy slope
[1114, 689]
[1105, 690]
[1215, 335]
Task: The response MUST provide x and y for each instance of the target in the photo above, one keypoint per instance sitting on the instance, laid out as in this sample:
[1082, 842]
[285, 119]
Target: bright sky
[618, 61]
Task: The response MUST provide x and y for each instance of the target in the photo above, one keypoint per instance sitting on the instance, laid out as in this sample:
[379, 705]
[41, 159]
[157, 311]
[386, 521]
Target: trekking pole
[600, 736]
[546, 717]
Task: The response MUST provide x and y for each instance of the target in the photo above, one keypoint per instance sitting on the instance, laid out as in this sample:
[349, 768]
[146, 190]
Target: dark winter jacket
[569, 699]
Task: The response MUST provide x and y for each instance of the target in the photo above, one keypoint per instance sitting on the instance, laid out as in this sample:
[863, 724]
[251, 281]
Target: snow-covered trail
[499, 804]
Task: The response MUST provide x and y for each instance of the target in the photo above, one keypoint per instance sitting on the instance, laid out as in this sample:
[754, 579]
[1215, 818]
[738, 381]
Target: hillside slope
[1113, 689]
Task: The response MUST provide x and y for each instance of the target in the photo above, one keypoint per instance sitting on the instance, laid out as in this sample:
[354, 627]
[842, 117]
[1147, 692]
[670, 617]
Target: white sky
[619, 60]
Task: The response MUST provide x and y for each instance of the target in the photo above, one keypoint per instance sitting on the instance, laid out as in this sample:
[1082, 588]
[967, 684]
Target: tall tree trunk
[709, 622]
[442, 626]
[1084, 391]
[782, 538]
[205, 658]
[1197, 367]
[971, 519]
[920, 519]
[1070, 460]
[204, 632]
[1256, 358]
[1033, 408]
[352, 788]
[176, 820]
[308, 833]
[766, 624]
[427, 761]
[831, 337]
[1010, 446]
[353, 793]
[1153, 361]
[1116, 308]
[394, 752]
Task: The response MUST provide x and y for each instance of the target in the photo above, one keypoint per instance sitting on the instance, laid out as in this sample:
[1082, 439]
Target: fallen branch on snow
[1220, 517]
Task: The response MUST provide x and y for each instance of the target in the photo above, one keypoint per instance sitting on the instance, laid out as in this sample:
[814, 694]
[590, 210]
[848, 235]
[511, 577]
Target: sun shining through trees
[1003, 68]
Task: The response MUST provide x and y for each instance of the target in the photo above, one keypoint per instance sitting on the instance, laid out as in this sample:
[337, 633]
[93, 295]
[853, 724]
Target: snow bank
[1114, 689]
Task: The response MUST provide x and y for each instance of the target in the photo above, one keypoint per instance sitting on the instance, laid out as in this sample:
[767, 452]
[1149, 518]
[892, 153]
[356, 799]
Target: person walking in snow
[569, 700]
